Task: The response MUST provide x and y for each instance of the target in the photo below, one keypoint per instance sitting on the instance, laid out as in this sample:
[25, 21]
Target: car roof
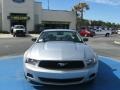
[59, 30]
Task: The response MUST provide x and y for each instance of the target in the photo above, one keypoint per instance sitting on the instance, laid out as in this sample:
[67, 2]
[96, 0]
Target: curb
[117, 42]
[8, 36]
[2, 36]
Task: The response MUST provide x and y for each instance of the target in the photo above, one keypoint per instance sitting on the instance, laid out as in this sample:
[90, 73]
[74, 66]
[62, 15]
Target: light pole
[48, 5]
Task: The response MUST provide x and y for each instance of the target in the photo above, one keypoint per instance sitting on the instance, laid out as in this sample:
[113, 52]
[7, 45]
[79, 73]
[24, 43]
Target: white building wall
[8, 6]
[38, 12]
[60, 15]
[35, 12]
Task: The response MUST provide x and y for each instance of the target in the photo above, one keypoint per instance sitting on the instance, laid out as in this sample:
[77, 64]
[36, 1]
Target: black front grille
[19, 31]
[61, 80]
[59, 65]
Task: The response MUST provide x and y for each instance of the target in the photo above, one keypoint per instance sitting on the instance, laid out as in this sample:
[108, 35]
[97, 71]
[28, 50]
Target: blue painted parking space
[12, 76]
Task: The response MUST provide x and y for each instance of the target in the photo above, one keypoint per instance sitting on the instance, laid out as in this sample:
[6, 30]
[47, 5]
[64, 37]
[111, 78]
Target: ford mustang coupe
[60, 57]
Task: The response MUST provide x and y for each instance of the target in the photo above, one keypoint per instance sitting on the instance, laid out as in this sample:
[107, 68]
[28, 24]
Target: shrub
[4, 32]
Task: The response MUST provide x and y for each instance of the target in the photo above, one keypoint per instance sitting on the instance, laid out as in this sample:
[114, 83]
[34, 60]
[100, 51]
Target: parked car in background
[60, 57]
[86, 33]
[105, 33]
[92, 33]
[19, 30]
[114, 32]
[118, 31]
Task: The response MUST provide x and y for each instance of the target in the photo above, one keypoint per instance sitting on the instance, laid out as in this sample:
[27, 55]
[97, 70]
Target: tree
[80, 9]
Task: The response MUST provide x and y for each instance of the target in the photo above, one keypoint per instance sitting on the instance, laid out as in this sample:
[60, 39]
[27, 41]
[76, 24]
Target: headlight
[32, 61]
[91, 61]
[25, 54]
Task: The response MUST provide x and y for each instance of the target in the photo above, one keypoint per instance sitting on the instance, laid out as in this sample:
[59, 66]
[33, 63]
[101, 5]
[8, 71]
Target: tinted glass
[60, 36]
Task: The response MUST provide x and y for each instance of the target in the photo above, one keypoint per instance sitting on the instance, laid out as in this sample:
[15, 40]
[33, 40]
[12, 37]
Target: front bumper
[19, 33]
[55, 77]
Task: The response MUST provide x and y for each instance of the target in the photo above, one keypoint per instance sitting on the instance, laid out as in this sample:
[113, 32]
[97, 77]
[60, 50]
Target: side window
[97, 30]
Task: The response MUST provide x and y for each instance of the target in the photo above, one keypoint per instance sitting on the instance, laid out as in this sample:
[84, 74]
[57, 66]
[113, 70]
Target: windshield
[60, 36]
[19, 27]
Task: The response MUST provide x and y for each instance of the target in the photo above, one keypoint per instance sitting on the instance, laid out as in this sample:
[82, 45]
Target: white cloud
[110, 2]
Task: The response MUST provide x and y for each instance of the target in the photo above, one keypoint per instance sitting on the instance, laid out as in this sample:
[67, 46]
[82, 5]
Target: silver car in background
[19, 30]
[60, 57]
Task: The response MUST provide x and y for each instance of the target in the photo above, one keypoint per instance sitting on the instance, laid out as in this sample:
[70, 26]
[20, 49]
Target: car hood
[60, 51]
[19, 29]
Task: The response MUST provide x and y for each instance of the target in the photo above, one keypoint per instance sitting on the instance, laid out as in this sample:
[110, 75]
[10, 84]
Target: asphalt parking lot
[106, 46]
[102, 45]
[14, 46]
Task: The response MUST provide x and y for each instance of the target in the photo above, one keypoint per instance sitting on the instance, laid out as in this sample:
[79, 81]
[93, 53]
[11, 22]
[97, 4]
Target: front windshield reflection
[59, 36]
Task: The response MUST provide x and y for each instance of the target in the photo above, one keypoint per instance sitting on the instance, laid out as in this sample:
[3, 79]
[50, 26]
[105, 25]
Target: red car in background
[86, 33]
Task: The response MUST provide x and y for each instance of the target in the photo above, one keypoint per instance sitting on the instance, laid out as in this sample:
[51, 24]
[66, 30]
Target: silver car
[60, 57]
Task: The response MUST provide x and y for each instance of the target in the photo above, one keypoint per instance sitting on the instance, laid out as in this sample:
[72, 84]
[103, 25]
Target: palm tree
[80, 9]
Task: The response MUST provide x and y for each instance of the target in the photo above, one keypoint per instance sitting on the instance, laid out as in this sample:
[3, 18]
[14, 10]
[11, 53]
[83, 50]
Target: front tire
[107, 35]
[14, 35]
[91, 35]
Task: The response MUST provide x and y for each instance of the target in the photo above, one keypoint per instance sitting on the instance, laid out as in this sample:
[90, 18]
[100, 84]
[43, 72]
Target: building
[30, 14]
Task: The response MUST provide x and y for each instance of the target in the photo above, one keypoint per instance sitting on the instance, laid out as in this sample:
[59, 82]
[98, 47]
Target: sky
[105, 10]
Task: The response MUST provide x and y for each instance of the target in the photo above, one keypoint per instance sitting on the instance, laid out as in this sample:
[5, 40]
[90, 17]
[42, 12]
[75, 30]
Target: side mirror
[34, 39]
[85, 39]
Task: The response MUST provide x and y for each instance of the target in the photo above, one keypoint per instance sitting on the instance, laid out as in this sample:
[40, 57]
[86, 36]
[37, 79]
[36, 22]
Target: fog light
[29, 75]
[92, 75]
